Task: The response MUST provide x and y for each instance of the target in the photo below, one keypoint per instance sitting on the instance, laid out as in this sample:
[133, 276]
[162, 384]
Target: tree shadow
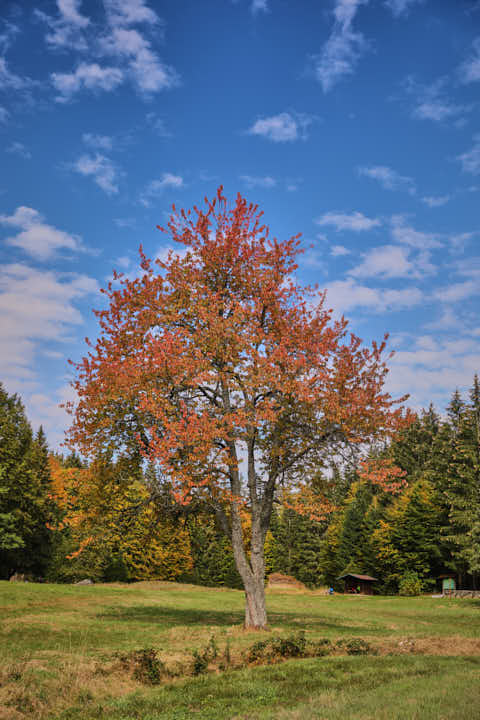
[166, 616]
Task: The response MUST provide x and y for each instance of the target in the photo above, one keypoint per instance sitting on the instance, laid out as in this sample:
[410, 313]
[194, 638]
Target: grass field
[61, 649]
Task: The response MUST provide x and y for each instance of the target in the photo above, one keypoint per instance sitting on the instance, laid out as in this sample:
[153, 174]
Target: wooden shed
[449, 582]
[358, 584]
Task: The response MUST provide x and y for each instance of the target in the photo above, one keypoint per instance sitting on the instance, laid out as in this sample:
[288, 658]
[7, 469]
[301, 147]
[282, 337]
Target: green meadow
[66, 652]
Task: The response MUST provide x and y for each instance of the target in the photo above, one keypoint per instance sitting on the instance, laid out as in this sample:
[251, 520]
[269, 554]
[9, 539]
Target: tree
[463, 485]
[228, 375]
[24, 488]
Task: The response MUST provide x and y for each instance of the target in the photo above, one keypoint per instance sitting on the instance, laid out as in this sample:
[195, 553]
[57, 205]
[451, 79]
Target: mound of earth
[278, 580]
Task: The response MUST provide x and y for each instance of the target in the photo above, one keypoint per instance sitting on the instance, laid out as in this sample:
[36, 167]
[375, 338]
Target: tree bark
[255, 607]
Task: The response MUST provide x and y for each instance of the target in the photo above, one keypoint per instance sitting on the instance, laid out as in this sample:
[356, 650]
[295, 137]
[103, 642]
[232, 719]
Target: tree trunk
[255, 608]
[252, 573]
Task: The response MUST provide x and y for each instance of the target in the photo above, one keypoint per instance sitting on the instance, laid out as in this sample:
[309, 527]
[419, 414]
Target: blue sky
[354, 122]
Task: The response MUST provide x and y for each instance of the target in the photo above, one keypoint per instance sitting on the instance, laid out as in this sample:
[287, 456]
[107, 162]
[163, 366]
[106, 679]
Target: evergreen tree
[24, 487]
[463, 488]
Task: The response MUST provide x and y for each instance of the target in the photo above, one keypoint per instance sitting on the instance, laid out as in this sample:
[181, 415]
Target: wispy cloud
[344, 47]
[339, 251]
[98, 142]
[386, 261]
[122, 13]
[101, 169]
[156, 187]
[66, 29]
[456, 292]
[347, 295]
[3, 115]
[357, 222]
[129, 50]
[401, 7]
[405, 234]
[38, 239]
[469, 71]
[36, 307]
[470, 160]
[434, 201]
[252, 181]
[284, 127]
[10, 81]
[431, 102]
[144, 66]
[18, 148]
[158, 125]
[388, 178]
[259, 6]
[90, 76]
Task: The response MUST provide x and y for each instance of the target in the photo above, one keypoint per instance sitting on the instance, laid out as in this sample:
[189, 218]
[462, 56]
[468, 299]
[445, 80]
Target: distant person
[330, 591]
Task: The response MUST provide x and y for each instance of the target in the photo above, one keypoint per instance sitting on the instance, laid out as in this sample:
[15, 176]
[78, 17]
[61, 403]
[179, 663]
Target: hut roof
[357, 577]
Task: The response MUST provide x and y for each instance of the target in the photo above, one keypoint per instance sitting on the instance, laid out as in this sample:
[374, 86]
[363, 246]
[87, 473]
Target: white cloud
[148, 72]
[284, 127]
[18, 148]
[357, 222]
[66, 29]
[470, 70]
[344, 47]
[101, 169]
[99, 142]
[258, 6]
[339, 251]
[158, 125]
[458, 291]
[345, 295]
[401, 7]
[36, 307]
[10, 81]
[156, 187]
[129, 12]
[434, 201]
[387, 261]
[388, 178]
[469, 268]
[37, 239]
[407, 235]
[252, 181]
[470, 160]
[433, 103]
[124, 222]
[432, 367]
[89, 76]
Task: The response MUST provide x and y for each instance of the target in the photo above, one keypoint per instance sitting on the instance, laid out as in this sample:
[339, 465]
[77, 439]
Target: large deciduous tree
[218, 367]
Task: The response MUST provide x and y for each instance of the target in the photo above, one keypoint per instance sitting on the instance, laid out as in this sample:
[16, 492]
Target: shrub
[146, 666]
[355, 646]
[410, 584]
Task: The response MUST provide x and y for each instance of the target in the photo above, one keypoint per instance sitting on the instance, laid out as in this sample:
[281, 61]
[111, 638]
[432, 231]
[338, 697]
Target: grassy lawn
[59, 650]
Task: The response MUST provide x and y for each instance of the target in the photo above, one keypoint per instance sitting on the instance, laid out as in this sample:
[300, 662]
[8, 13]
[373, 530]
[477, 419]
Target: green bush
[410, 584]
[355, 646]
[146, 666]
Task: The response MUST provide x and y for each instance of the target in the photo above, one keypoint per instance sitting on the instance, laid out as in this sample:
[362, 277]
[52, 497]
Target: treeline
[62, 520]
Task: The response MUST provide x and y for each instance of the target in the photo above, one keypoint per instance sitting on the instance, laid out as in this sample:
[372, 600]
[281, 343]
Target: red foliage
[219, 346]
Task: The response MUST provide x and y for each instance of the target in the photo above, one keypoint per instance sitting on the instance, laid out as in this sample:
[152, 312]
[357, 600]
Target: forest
[114, 520]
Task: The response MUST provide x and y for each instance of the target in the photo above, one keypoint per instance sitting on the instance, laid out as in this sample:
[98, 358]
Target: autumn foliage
[219, 368]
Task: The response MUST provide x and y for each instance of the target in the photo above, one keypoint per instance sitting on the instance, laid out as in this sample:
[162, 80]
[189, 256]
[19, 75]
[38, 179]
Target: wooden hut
[358, 584]
[449, 582]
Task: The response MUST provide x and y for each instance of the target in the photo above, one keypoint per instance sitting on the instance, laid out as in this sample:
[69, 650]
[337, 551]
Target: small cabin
[449, 582]
[358, 584]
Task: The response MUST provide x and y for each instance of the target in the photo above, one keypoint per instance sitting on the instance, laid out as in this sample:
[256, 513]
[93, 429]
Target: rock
[87, 581]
